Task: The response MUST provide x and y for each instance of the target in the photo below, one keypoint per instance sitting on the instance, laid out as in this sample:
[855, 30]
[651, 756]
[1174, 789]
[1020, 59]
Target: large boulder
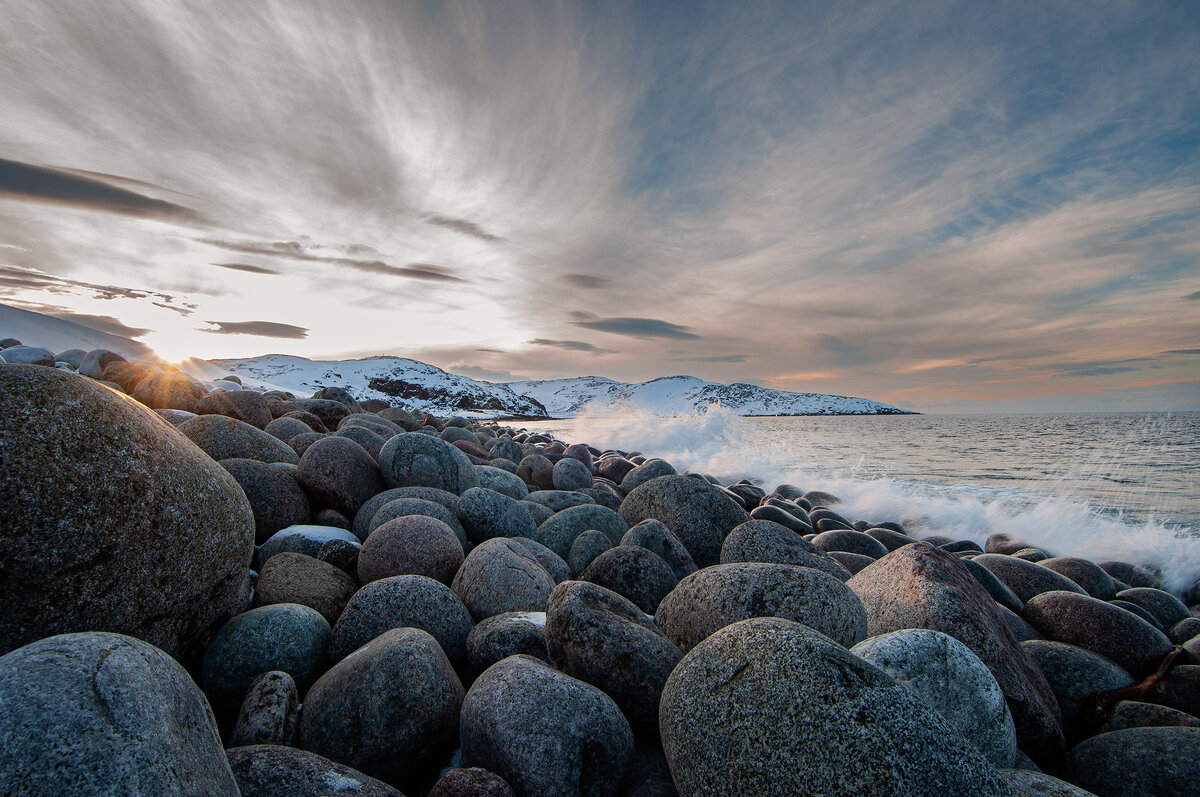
[1026, 579]
[100, 713]
[1074, 674]
[419, 460]
[768, 541]
[275, 498]
[113, 520]
[634, 572]
[269, 770]
[228, 438]
[338, 474]
[922, 586]
[546, 733]
[696, 512]
[1137, 762]
[562, 528]
[770, 707]
[712, 598]
[502, 575]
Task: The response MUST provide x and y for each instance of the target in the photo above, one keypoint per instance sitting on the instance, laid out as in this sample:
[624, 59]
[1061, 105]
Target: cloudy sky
[945, 206]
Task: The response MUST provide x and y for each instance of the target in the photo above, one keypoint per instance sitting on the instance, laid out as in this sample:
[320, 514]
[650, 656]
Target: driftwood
[1096, 707]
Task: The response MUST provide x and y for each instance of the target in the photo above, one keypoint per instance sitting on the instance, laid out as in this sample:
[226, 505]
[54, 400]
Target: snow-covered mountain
[683, 395]
[57, 335]
[401, 381]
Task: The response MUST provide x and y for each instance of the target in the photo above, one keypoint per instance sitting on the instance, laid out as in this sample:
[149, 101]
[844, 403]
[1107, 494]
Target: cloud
[295, 250]
[720, 358]
[1193, 296]
[637, 327]
[588, 281]
[463, 226]
[58, 186]
[486, 374]
[571, 345]
[249, 269]
[17, 279]
[261, 329]
[1182, 351]
[100, 323]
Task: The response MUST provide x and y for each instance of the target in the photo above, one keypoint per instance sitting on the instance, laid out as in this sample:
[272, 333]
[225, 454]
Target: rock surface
[695, 511]
[274, 771]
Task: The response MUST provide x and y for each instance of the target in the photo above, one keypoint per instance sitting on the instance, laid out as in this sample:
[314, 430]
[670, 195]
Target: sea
[1098, 485]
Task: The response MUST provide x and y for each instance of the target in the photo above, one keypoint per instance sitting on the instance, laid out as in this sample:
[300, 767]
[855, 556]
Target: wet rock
[471, 782]
[269, 770]
[1100, 627]
[410, 545]
[246, 405]
[945, 675]
[850, 542]
[922, 586]
[507, 634]
[403, 602]
[101, 713]
[764, 541]
[994, 586]
[1026, 579]
[500, 575]
[599, 637]
[710, 599]
[387, 710]
[633, 572]
[1088, 575]
[770, 707]
[559, 532]
[570, 474]
[418, 460]
[270, 712]
[276, 500]
[1165, 607]
[337, 473]
[504, 725]
[586, 548]
[1137, 761]
[283, 636]
[959, 546]
[141, 534]
[1075, 673]
[485, 514]
[655, 537]
[1133, 575]
[1135, 714]
[229, 438]
[782, 517]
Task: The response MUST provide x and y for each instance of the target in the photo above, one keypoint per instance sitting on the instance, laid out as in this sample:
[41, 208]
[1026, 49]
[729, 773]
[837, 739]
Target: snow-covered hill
[57, 335]
[683, 395]
[401, 381]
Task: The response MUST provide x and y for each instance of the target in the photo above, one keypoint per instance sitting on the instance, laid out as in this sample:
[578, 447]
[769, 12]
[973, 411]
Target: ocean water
[1102, 486]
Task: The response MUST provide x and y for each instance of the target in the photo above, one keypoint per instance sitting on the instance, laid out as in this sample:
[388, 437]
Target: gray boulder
[586, 548]
[1075, 673]
[712, 598]
[403, 602]
[504, 635]
[228, 438]
[101, 713]
[502, 575]
[767, 541]
[1025, 783]
[305, 539]
[570, 474]
[501, 481]
[276, 500]
[1026, 579]
[338, 474]
[113, 520]
[655, 537]
[1086, 574]
[270, 713]
[419, 460]
[1137, 762]
[695, 511]
[292, 577]
[485, 514]
[633, 572]
[410, 545]
[546, 733]
[559, 532]
[404, 506]
[268, 770]
[770, 707]
[1164, 606]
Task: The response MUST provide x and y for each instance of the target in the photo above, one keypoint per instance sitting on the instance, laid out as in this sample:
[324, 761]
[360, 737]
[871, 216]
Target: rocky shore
[210, 590]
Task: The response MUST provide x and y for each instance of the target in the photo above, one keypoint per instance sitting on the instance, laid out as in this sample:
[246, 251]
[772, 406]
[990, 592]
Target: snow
[57, 335]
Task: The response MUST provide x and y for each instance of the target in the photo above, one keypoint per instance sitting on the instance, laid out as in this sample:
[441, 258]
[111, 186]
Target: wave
[716, 442]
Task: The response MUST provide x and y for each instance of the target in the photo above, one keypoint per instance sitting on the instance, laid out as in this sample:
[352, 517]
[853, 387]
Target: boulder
[559, 532]
[501, 481]
[712, 598]
[113, 520]
[292, 577]
[695, 511]
[850, 542]
[399, 507]
[229, 438]
[570, 474]
[268, 770]
[1086, 574]
[546, 733]
[303, 539]
[922, 586]
[766, 541]
[245, 405]
[507, 634]
[338, 474]
[276, 500]
[419, 460]
[501, 575]
[586, 548]
[1135, 714]
[1165, 607]
[1073, 674]
[102, 713]
[410, 601]
[1025, 783]
[770, 707]
[655, 537]
[1136, 762]
[471, 782]
[1026, 579]
[633, 572]
[270, 713]
[411, 545]
[485, 514]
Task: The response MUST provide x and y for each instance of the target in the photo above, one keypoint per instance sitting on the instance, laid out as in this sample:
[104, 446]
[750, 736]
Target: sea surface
[1098, 485]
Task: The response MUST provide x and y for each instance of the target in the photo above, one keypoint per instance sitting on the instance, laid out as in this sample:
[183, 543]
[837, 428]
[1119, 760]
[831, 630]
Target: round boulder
[485, 514]
[767, 541]
[410, 545]
[508, 634]
[229, 438]
[1074, 674]
[695, 511]
[338, 474]
[1137, 761]
[403, 602]
[292, 577]
[268, 770]
[559, 531]
[501, 575]
[276, 500]
[633, 572]
[419, 460]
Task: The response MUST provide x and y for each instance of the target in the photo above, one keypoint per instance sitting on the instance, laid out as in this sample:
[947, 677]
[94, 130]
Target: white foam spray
[715, 442]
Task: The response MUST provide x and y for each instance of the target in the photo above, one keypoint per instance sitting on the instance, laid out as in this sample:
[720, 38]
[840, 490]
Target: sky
[946, 206]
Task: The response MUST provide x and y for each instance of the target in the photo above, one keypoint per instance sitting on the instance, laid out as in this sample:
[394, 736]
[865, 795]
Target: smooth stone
[1021, 630]
[1026, 579]
[922, 586]
[782, 517]
[328, 411]
[644, 472]
[1038, 784]
[655, 537]
[634, 573]
[403, 507]
[29, 355]
[1179, 690]
[366, 513]
[331, 517]
[366, 439]
[229, 438]
[269, 770]
[586, 548]
[301, 442]
[1100, 627]
[286, 428]
[560, 531]
[387, 710]
[1086, 574]
[945, 675]
[486, 514]
[994, 586]
[270, 712]
[501, 575]
[112, 519]
[1074, 674]
[337, 473]
[1137, 762]
[714, 597]
[501, 481]
[1165, 607]
[771, 707]
[507, 634]
[102, 713]
[283, 636]
[598, 636]
[72, 357]
[604, 494]
[170, 390]
[418, 460]
[292, 577]
[411, 545]
[765, 541]
[403, 602]
[850, 542]
[695, 512]
[310, 420]
[613, 467]
[276, 500]
[245, 405]
[554, 564]
[506, 449]
[1133, 608]
[539, 513]
[537, 471]
[959, 546]
[546, 733]
[570, 474]
[471, 782]
[1185, 630]
[305, 539]
[174, 417]
[1030, 555]
[558, 500]
[1135, 714]
[1133, 575]
[853, 562]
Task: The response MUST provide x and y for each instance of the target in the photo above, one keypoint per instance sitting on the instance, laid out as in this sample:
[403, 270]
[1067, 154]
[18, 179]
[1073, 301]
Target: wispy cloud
[295, 250]
[571, 345]
[645, 328]
[260, 329]
[58, 186]
[465, 227]
[589, 281]
[248, 268]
